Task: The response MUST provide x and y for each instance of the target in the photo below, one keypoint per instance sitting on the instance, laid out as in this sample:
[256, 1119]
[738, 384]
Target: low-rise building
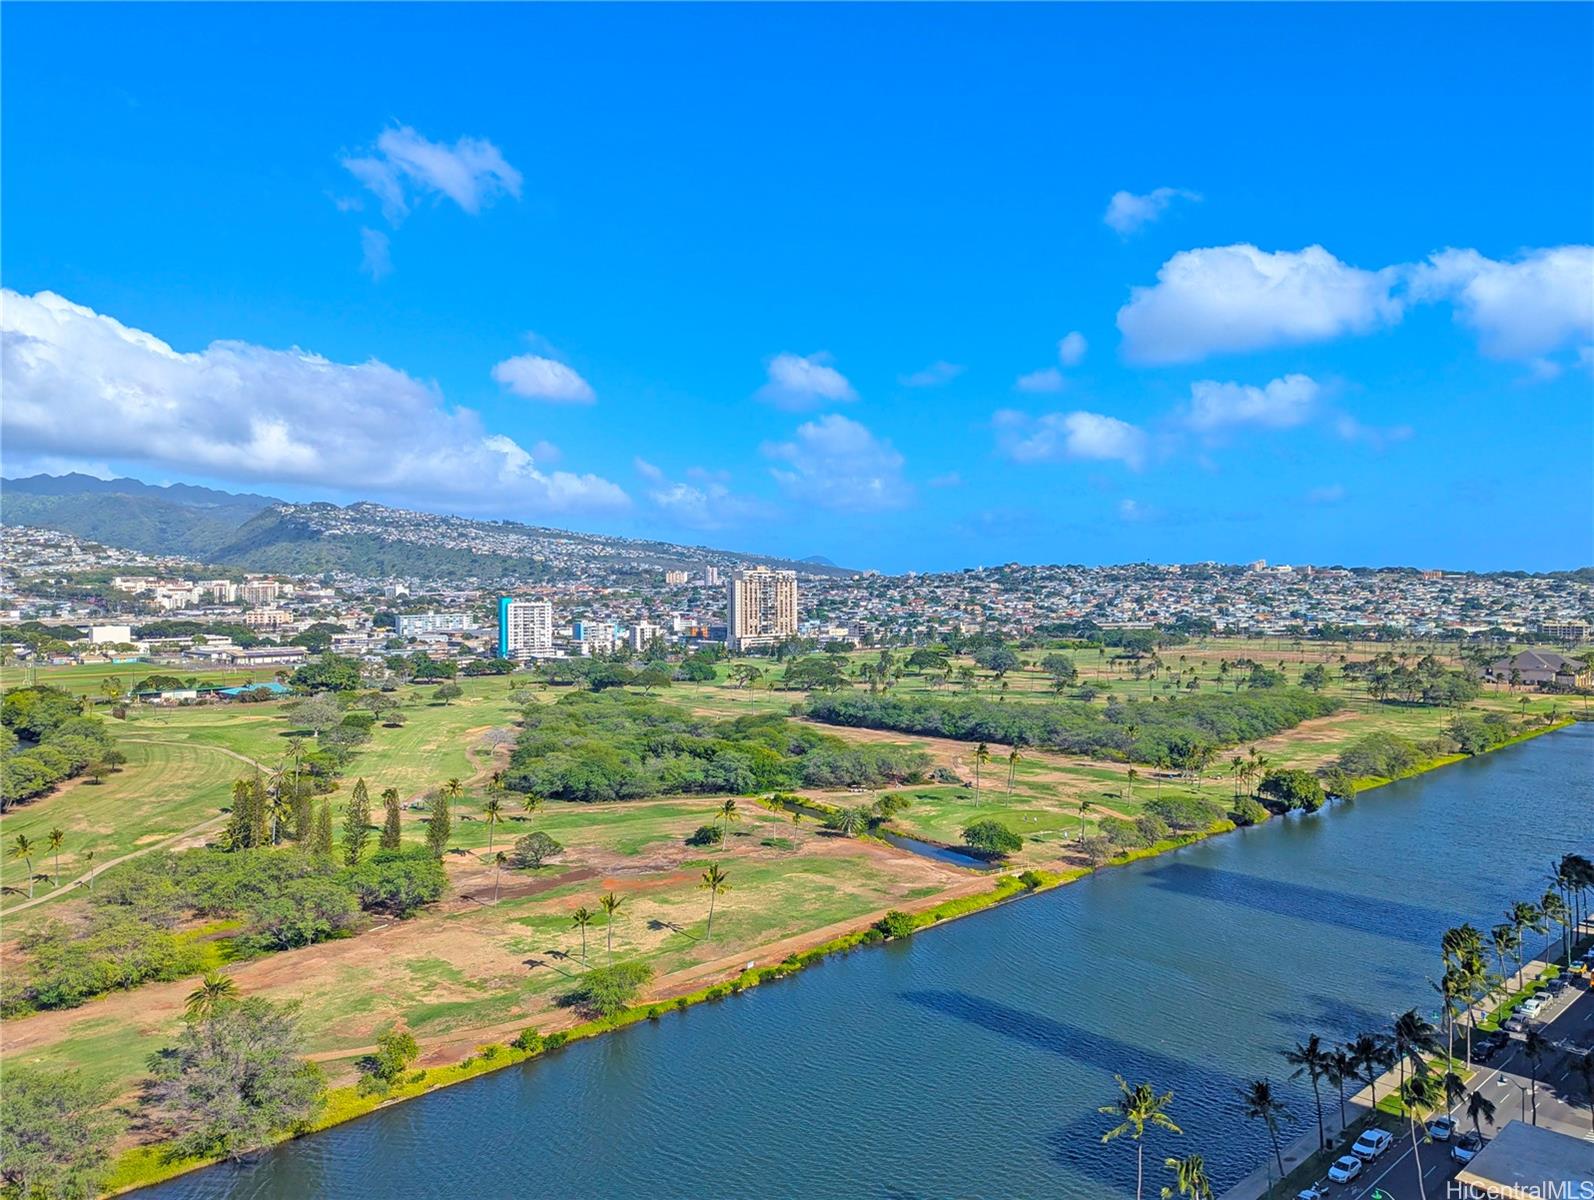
[415, 624]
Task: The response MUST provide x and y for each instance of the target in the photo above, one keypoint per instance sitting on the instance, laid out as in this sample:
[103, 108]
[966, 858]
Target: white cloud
[1053, 437]
[1379, 437]
[1047, 379]
[933, 375]
[1132, 511]
[1071, 350]
[1542, 302]
[1128, 213]
[1280, 405]
[1236, 298]
[646, 469]
[539, 378]
[1329, 493]
[84, 385]
[376, 258]
[798, 382]
[835, 462]
[404, 167]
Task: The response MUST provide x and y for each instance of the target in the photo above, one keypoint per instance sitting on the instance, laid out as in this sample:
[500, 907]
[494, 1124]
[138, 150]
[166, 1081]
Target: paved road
[1569, 1024]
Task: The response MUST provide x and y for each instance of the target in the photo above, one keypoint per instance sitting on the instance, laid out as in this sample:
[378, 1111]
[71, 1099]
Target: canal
[970, 1060]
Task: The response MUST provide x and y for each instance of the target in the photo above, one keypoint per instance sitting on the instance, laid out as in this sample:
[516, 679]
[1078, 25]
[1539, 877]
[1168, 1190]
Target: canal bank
[1191, 896]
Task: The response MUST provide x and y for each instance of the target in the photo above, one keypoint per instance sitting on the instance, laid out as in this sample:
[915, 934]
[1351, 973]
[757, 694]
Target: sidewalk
[1255, 1185]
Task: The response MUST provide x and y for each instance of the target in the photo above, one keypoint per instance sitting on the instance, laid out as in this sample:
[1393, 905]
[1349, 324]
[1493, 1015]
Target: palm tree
[982, 755]
[1535, 1046]
[1013, 757]
[1479, 1108]
[726, 814]
[1525, 916]
[1420, 1095]
[499, 859]
[1312, 1059]
[1504, 940]
[1556, 912]
[1371, 1057]
[583, 917]
[716, 882]
[611, 905]
[492, 813]
[88, 861]
[531, 804]
[1258, 1102]
[1413, 1035]
[1135, 1108]
[1085, 807]
[1341, 1070]
[215, 991]
[453, 789]
[1189, 1178]
[23, 848]
[54, 840]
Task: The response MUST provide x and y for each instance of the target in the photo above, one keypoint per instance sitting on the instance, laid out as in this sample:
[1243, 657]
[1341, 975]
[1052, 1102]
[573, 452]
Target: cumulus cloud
[1539, 303]
[1053, 437]
[84, 385]
[835, 462]
[539, 378]
[376, 258]
[1279, 405]
[1237, 298]
[933, 375]
[1128, 213]
[1047, 379]
[797, 382]
[1071, 349]
[404, 167]
[706, 506]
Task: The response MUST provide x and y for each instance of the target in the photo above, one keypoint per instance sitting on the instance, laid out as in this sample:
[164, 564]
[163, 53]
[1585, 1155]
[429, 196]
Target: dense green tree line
[45, 738]
[618, 746]
[1181, 733]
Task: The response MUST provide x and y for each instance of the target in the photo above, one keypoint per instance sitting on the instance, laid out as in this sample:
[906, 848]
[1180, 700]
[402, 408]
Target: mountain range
[264, 533]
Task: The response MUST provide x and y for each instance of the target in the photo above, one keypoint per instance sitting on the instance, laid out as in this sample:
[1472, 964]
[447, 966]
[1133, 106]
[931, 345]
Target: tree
[1085, 808]
[1420, 1095]
[392, 830]
[1189, 1178]
[610, 904]
[499, 859]
[1135, 1108]
[1413, 1035]
[1524, 916]
[448, 692]
[1534, 1047]
[440, 824]
[982, 755]
[54, 840]
[56, 1134]
[395, 1051]
[321, 840]
[1479, 1108]
[356, 824]
[1258, 1102]
[990, 837]
[716, 882]
[1293, 789]
[998, 660]
[1013, 757]
[22, 848]
[492, 814]
[233, 1081]
[1312, 1059]
[535, 849]
[849, 822]
[726, 815]
[1341, 1070]
[214, 991]
[608, 991]
[583, 917]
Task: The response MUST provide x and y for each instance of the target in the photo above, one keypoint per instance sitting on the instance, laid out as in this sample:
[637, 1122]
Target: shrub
[896, 924]
[1293, 789]
[554, 1040]
[535, 848]
[704, 835]
[1124, 835]
[528, 1040]
[608, 991]
[1184, 813]
[1152, 828]
[1032, 879]
[1247, 811]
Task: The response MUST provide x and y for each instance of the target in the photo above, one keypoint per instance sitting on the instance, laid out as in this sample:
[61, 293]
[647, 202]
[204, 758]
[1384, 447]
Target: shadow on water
[1205, 1104]
[1381, 916]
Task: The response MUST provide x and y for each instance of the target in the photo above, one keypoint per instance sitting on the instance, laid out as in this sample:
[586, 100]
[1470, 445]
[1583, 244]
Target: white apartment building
[760, 608]
[711, 576]
[525, 628]
[594, 637]
[259, 591]
[415, 624]
[267, 618]
[642, 635]
[675, 577]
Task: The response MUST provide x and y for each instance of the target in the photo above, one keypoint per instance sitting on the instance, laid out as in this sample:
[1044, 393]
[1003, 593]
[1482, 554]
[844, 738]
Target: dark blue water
[970, 1060]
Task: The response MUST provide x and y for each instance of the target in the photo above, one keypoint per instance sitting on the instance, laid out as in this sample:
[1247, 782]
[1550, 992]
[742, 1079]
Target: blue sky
[908, 287]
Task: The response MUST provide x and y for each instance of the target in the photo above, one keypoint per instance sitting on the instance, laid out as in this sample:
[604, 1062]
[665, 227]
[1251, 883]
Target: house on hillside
[1541, 669]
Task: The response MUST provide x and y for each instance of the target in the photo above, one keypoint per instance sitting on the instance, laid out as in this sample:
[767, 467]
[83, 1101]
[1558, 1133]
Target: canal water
[970, 1060]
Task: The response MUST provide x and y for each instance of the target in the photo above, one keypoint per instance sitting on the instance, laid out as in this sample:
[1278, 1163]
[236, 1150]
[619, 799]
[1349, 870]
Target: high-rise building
[642, 634]
[761, 608]
[711, 576]
[525, 627]
[594, 637]
[673, 578]
[259, 591]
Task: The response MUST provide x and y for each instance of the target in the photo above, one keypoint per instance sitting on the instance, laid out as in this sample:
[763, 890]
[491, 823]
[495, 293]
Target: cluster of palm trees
[1246, 770]
[982, 755]
[23, 848]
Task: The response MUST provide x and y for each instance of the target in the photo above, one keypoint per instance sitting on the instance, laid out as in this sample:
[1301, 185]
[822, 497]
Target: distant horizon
[827, 560]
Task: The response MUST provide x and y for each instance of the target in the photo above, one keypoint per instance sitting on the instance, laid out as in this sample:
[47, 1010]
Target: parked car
[1489, 1045]
[1466, 1147]
[1441, 1128]
[1345, 1169]
[1318, 1191]
[1531, 1007]
[1371, 1144]
[1516, 1023]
